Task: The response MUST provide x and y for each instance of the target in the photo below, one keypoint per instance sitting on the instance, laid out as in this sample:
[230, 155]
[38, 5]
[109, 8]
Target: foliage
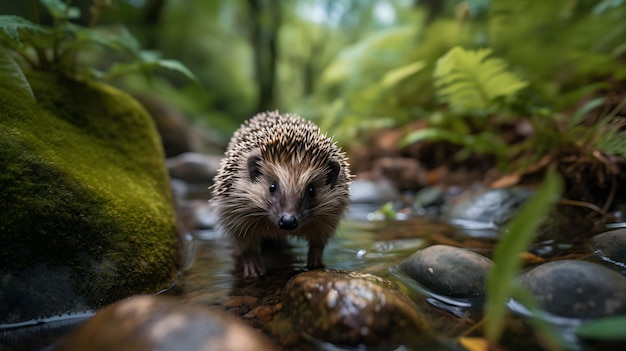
[519, 235]
[386, 77]
[57, 48]
[605, 329]
[358, 99]
[13, 76]
[581, 42]
[470, 82]
[473, 85]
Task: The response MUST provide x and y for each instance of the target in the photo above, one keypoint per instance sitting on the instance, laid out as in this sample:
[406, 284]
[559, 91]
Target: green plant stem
[42, 58]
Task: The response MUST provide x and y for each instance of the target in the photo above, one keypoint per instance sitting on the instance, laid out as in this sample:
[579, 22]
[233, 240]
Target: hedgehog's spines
[294, 154]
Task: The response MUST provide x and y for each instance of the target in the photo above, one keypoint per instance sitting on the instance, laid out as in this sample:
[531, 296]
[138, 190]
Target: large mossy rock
[86, 215]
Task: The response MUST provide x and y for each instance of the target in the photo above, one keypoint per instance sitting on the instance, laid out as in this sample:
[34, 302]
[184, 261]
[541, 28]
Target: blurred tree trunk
[265, 21]
[151, 19]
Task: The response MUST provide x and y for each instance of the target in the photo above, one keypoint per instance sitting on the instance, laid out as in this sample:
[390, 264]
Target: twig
[590, 206]
[611, 197]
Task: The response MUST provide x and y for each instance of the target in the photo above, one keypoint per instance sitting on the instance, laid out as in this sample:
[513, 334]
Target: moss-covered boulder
[86, 213]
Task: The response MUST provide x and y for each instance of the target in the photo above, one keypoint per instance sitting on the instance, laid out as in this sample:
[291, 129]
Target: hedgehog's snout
[288, 222]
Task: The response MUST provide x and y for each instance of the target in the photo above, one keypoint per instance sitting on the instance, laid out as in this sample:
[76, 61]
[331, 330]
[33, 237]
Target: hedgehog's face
[294, 191]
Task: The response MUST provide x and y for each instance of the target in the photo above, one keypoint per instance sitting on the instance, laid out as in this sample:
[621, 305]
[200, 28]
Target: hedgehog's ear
[254, 167]
[332, 173]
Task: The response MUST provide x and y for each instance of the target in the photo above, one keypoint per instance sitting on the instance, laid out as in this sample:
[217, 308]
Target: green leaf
[605, 329]
[150, 63]
[582, 112]
[485, 142]
[118, 39]
[368, 55]
[122, 69]
[519, 235]
[12, 77]
[394, 76]
[432, 134]
[470, 82]
[11, 25]
[59, 9]
[177, 66]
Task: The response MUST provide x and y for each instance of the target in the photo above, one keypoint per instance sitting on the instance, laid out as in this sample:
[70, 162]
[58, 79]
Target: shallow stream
[214, 278]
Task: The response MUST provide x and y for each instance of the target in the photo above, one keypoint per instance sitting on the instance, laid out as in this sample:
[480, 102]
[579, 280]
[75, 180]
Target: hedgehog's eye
[310, 190]
[273, 187]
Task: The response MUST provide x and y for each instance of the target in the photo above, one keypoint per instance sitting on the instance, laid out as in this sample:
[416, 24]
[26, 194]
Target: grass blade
[519, 235]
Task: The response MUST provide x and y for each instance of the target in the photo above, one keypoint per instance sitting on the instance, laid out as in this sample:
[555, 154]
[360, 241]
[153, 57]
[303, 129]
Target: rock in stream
[577, 289]
[352, 308]
[448, 270]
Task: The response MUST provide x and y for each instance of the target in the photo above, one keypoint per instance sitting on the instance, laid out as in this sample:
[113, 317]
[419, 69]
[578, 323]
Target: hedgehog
[281, 176]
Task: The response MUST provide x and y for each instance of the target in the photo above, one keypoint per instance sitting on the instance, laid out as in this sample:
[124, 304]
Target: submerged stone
[577, 289]
[449, 270]
[86, 214]
[151, 323]
[611, 248]
[480, 213]
[352, 308]
[372, 192]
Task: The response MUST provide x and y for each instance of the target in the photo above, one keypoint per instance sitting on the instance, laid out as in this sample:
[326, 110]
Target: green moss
[83, 184]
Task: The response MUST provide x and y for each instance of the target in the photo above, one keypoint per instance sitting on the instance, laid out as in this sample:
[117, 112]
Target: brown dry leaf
[473, 343]
[506, 181]
[531, 258]
[442, 239]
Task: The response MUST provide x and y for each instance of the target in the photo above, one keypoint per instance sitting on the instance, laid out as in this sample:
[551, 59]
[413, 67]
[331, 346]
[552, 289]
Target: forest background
[520, 85]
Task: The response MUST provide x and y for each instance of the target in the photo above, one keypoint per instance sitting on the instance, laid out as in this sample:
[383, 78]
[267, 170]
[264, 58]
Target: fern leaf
[394, 76]
[613, 142]
[469, 81]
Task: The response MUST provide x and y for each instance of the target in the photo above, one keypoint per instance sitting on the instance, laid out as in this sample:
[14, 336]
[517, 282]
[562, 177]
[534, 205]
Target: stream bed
[449, 305]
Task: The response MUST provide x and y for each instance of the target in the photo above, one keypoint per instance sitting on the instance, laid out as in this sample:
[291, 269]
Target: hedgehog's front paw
[315, 258]
[252, 266]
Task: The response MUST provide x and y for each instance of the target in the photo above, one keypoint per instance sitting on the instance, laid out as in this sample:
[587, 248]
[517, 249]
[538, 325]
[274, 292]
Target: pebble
[151, 323]
[577, 289]
[482, 211]
[448, 270]
[352, 308]
[364, 191]
[193, 167]
[611, 248]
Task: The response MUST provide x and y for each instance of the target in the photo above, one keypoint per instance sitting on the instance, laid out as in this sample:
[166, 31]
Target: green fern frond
[612, 140]
[469, 81]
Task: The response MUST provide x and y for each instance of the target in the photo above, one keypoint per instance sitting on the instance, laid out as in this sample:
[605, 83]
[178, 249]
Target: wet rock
[577, 289]
[433, 196]
[351, 308]
[151, 323]
[85, 200]
[196, 170]
[448, 270]
[479, 213]
[193, 167]
[364, 191]
[611, 248]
